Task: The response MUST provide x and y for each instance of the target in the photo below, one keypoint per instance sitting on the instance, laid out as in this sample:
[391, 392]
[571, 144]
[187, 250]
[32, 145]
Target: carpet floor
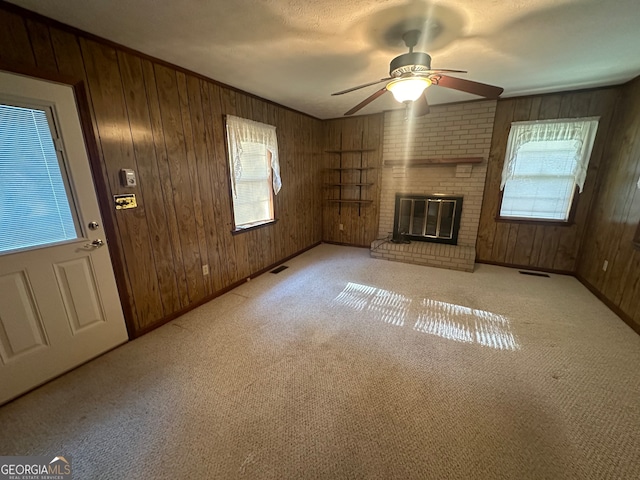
[346, 367]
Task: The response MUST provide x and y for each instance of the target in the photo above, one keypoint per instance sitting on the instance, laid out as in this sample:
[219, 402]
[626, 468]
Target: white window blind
[254, 168]
[252, 203]
[545, 162]
[34, 208]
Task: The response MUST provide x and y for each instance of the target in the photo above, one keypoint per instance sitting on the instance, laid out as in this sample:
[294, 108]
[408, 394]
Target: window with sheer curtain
[545, 164]
[254, 169]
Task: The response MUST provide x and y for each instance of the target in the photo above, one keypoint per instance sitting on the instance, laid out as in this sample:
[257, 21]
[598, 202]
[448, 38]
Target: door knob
[97, 243]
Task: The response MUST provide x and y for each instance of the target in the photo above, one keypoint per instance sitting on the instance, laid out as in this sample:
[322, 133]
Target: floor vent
[535, 274]
[279, 269]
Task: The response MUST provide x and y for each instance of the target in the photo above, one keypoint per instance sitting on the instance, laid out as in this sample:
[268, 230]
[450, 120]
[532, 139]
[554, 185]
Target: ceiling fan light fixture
[408, 89]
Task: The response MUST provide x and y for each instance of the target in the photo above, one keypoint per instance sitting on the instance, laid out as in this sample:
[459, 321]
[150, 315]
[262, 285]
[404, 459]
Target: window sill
[238, 231]
[533, 221]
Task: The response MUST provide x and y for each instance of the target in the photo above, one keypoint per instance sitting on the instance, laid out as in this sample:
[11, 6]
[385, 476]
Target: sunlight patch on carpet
[389, 307]
[433, 317]
[464, 324]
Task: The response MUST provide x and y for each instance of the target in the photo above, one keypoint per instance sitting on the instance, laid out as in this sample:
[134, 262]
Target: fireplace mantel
[431, 162]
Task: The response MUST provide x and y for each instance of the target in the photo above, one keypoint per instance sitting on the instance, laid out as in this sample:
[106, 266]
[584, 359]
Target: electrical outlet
[341, 227]
[205, 269]
[605, 265]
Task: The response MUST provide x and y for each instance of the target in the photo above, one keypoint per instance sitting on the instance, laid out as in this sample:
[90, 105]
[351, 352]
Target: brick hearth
[454, 257]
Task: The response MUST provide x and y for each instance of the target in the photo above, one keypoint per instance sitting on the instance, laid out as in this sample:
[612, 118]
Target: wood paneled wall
[360, 221]
[167, 125]
[546, 247]
[615, 215]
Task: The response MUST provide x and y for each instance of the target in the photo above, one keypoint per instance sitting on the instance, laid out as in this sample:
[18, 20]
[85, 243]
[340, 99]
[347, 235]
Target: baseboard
[528, 267]
[612, 306]
[346, 244]
[220, 292]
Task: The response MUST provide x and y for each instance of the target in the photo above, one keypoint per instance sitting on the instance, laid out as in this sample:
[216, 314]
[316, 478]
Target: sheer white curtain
[579, 133]
[241, 130]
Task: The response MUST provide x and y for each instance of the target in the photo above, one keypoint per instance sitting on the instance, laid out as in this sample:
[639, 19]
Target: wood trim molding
[104, 203]
[527, 267]
[612, 306]
[617, 310]
[238, 231]
[346, 244]
[41, 73]
[523, 221]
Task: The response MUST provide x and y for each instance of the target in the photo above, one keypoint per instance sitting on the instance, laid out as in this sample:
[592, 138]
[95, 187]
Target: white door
[59, 306]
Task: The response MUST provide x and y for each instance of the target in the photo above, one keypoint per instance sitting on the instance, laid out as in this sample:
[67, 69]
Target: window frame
[575, 196]
[235, 230]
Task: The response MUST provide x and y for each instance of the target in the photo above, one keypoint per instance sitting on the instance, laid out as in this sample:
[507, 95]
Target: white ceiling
[297, 52]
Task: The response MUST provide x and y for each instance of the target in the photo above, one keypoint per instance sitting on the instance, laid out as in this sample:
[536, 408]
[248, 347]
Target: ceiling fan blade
[420, 107]
[477, 88]
[446, 70]
[367, 101]
[361, 86]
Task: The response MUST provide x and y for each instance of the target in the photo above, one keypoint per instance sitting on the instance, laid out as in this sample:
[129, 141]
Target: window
[255, 171]
[546, 162]
[34, 205]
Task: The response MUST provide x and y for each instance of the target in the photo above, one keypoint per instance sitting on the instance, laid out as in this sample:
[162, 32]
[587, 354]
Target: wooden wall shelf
[349, 200]
[349, 177]
[357, 150]
[430, 162]
[354, 168]
[348, 184]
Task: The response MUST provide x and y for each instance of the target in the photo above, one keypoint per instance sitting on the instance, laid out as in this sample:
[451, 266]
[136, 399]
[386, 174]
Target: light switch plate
[125, 201]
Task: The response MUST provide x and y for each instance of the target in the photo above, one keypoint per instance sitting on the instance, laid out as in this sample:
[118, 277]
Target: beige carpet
[343, 366]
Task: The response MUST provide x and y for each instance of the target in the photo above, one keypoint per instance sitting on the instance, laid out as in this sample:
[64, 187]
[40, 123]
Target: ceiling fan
[411, 74]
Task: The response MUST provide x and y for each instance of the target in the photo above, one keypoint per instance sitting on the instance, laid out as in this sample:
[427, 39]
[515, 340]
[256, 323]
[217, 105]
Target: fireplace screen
[433, 218]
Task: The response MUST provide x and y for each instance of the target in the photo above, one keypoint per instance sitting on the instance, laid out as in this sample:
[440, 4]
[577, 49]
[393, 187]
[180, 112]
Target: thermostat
[128, 177]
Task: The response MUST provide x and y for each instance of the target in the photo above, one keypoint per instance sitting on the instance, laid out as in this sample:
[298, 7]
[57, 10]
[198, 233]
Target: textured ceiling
[297, 52]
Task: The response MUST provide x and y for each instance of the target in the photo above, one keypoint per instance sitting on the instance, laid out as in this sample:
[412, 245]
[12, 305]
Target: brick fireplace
[445, 154]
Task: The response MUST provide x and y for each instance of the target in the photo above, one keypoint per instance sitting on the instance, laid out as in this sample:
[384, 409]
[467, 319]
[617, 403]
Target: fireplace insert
[427, 218]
